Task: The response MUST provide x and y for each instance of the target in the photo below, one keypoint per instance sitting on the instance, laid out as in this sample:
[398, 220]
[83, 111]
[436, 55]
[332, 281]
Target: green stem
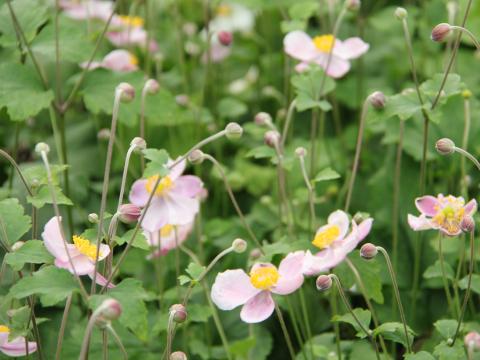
[296, 328]
[118, 340]
[285, 331]
[466, 133]
[63, 325]
[336, 326]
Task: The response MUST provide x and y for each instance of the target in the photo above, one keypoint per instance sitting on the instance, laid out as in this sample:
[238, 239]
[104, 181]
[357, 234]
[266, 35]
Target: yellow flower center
[325, 237]
[166, 230]
[324, 43]
[133, 59]
[135, 21]
[85, 247]
[449, 218]
[4, 329]
[264, 277]
[224, 10]
[165, 184]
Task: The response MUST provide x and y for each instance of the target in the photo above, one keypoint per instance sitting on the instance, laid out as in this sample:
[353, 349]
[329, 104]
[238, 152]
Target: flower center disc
[166, 230]
[133, 59]
[4, 329]
[224, 10]
[324, 43]
[325, 237]
[85, 247]
[135, 21]
[165, 184]
[264, 277]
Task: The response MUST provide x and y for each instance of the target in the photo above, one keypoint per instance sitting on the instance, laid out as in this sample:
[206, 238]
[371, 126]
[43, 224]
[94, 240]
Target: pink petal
[300, 46]
[176, 170]
[364, 229]
[104, 251]
[139, 194]
[53, 240]
[301, 67]
[350, 242]
[119, 60]
[82, 264]
[93, 65]
[471, 207]
[427, 205]
[337, 68]
[156, 216]
[181, 209]
[322, 261]
[340, 219]
[419, 223]
[350, 48]
[218, 52]
[17, 347]
[232, 288]
[188, 185]
[169, 242]
[290, 271]
[3, 337]
[100, 280]
[258, 308]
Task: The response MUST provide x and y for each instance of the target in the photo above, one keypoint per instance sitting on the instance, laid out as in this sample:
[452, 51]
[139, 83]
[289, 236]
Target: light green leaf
[394, 331]
[231, 108]
[32, 252]
[326, 174]
[446, 327]
[364, 316]
[195, 270]
[308, 89]
[422, 355]
[13, 220]
[184, 279]
[435, 271]
[140, 240]
[157, 164]
[242, 347]
[261, 152]
[303, 10]
[443, 351]
[199, 313]
[44, 196]
[475, 283]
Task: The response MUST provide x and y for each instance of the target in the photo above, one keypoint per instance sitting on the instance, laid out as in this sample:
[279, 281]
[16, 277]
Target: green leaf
[51, 283]
[453, 86]
[157, 164]
[446, 327]
[195, 270]
[13, 220]
[44, 196]
[184, 279]
[242, 347]
[326, 174]
[261, 152]
[308, 89]
[199, 313]
[22, 92]
[422, 355]
[475, 283]
[435, 271]
[443, 351]
[37, 173]
[32, 252]
[394, 331]
[231, 108]
[303, 10]
[140, 240]
[364, 316]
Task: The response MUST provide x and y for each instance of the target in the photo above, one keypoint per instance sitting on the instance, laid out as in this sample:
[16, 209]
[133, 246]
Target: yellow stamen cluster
[166, 230]
[224, 10]
[165, 184]
[449, 218]
[85, 247]
[133, 59]
[135, 21]
[325, 237]
[324, 43]
[264, 277]
[4, 329]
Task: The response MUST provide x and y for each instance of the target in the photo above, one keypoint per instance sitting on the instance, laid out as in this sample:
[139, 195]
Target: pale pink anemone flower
[87, 9]
[129, 31]
[82, 252]
[117, 60]
[218, 52]
[334, 242]
[167, 238]
[472, 340]
[301, 46]
[176, 200]
[444, 213]
[16, 347]
[233, 288]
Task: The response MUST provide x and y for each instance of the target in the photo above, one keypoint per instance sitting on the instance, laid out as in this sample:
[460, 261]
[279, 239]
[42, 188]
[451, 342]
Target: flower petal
[321, 262]
[471, 207]
[232, 288]
[419, 223]
[53, 240]
[339, 218]
[139, 194]
[82, 264]
[427, 205]
[156, 216]
[17, 347]
[119, 60]
[100, 280]
[350, 48]
[290, 271]
[178, 169]
[104, 251]
[300, 46]
[188, 185]
[258, 308]
[337, 68]
[364, 229]
[181, 210]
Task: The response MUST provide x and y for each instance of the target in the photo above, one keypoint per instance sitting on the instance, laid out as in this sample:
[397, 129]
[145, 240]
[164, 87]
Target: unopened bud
[377, 100]
[179, 313]
[263, 118]
[445, 146]
[440, 32]
[92, 218]
[300, 151]
[472, 340]
[468, 224]
[103, 134]
[139, 143]
[225, 38]
[17, 245]
[178, 355]
[401, 13]
[467, 94]
[182, 100]
[152, 86]
[359, 217]
[196, 157]
[368, 251]
[42, 147]
[323, 282]
[271, 138]
[239, 245]
[353, 5]
[110, 309]
[126, 92]
[233, 131]
[255, 254]
[129, 213]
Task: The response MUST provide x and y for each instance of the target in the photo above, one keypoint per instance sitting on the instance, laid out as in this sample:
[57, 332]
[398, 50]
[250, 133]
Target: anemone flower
[176, 199]
[334, 242]
[232, 17]
[233, 288]
[301, 46]
[87, 9]
[116, 60]
[82, 252]
[16, 347]
[444, 213]
[167, 238]
[128, 31]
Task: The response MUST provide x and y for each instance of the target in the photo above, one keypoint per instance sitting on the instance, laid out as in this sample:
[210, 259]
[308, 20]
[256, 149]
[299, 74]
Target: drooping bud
[179, 313]
[152, 86]
[445, 146]
[196, 157]
[368, 251]
[17, 245]
[401, 13]
[103, 134]
[42, 147]
[233, 131]
[92, 218]
[271, 138]
[225, 38]
[255, 254]
[468, 224]
[323, 282]
[440, 32]
[263, 118]
[239, 245]
[129, 213]
[300, 151]
[178, 355]
[126, 92]
[377, 100]
[110, 309]
[472, 340]
[353, 5]
[359, 217]
[139, 143]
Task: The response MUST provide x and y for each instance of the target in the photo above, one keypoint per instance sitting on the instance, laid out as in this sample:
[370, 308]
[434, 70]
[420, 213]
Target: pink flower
[301, 46]
[472, 340]
[87, 9]
[16, 347]
[233, 288]
[134, 36]
[444, 213]
[334, 242]
[116, 60]
[218, 52]
[82, 252]
[167, 238]
[176, 200]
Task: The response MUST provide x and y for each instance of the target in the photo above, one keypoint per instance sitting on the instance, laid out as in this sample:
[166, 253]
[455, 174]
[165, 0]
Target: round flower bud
[468, 224]
[323, 282]
[42, 147]
[377, 100]
[445, 146]
[271, 138]
[189, 28]
[300, 151]
[182, 100]
[255, 254]
[196, 157]
[472, 340]
[401, 13]
[233, 130]
[92, 218]
[353, 5]
[225, 38]
[179, 313]
[440, 32]
[152, 86]
[263, 118]
[129, 213]
[126, 92]
[178, 355]
[368, 251]
[35, 183]
[359, 217]
[467, 94]
[110, 309]
[239, 245]
[17, 245]
[103, 134]
[138, 143]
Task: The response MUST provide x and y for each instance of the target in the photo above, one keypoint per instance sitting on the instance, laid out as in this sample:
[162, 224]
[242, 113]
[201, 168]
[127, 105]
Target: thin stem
[88, 333]
[444, 276]
[306, 318]
[311, 195]
[469, 33]
[396, 195]
[283, 189]
[466, 133]
[118, 340]
[142, 121]
[63, 325]
[12, 161]
[288, 121]
[170, 331]
[468, 156]
[336, 327]
[411, 58]
[285, 331]
[296, 328]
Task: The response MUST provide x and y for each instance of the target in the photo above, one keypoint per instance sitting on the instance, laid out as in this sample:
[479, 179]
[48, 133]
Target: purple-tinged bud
[233, 131]
[239, 245]
[271, 138]
[445, 146]
[368, 251]
[263, 118]
[126, 92]
[139, 143]
[110, 309]
[103, 134]
[468, 224]
[225, 38]
[178, 355]
[129, 213]
[377, 100]
[182, 100]
[255, 254]
[42, 147]
[472, 340]
[152, 86]
[179, 313]
[440, 32]
[196, 157]
[401, 13]
[92, 218]
[17, 245]
[300, 151]
[323, 282]
[353, 5]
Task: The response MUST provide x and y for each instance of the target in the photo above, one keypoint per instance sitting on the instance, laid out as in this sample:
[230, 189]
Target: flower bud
[42, 147]
[233, 131]
[445, 146]
[271, 138]
[129, 213]
[440, 32]
[377, 100]
[300, 151]
[255, 254]
[178, 355]
[110, 309]
[138, 143]
[17, 245]
[182, 100]
[126, 92]
[323, 282]
[225, 38]
[179, 313]
[239, 245]
[353, 5]
[263, 118]
[189, 28]
[468, 224]
[472, 340]
[152, 86]
[92, 218]
[368, 251]
[360, 217]
[401, 13]
[103, 134]
[196, 157]
[467, 94]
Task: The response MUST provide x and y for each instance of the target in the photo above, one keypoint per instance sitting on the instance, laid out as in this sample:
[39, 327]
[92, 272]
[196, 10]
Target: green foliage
[446, 328]
[308, 88]
[394, 331]
[32, 252]
[363, 316]
[13, 221]
[157, 164]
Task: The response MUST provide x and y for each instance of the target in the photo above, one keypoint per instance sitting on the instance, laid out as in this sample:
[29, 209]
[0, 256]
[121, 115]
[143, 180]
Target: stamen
[324, 43]
[165, 184]
[325, 237]
[4, 329]
[264, 277]
[85, 247]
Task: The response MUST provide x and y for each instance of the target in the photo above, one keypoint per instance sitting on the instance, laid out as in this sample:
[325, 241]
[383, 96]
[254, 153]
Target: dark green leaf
[32, 252]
